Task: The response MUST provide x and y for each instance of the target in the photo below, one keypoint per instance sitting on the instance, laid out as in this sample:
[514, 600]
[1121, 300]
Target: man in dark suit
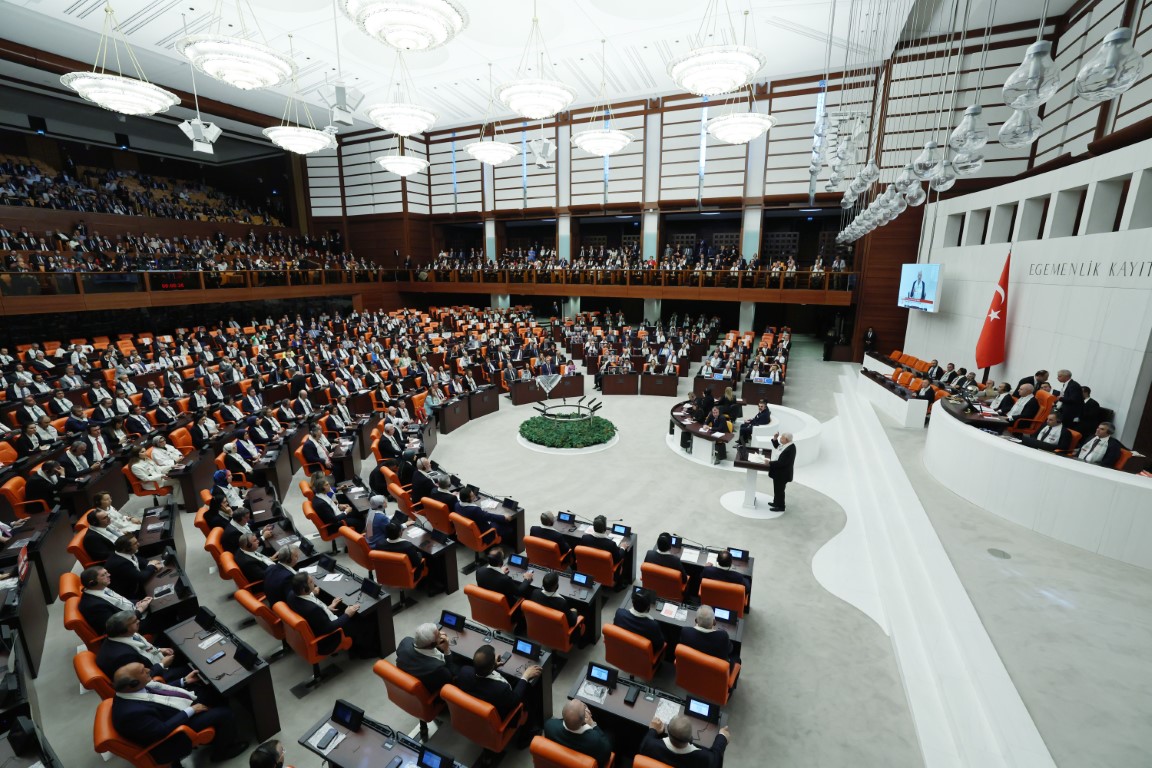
[444, 495]
[395, 541]
[722, 571]
[780, 470]
[1103, 448]
[663, 556]
[125, 645]
[934, 371]
[146, 712]
[75, 462]
[636, 620]
[483, 681]
[495, 578]
[707, 638]
[322, 619]
[427, 656]
[674, 746]
[1025, 408]
[100, 539]
[422, 482]
[76, 423]
[599, 538]
[1053, 436]
[98, 602]
[45, 484]
[1090, 414]
[467, 507]
[253, 563]
[548, 596]
[576, 730]
[546, 531]
[762, 417]
[278, 577]
[129, 573]
[1071, 401]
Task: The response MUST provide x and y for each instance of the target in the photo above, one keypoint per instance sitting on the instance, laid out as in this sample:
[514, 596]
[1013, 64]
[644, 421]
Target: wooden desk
[482, 401]
[695, 558]
[702, 439]
[574, 532]
[587, 602]
[28, 615]
[366, 748]
[753, 392]
[513, 516]
[685, 616]
[465, 642]
[347, 457]
[77, 497]
[894, 401]
[699, 384]
[277, 468]
[175, 606]
[362, 431]
[524, 392]
[251, 689]
[194, 473]
[375, 612]
[569, 386]
[442, 564]
[155, 540]
[620, 383]
[453, 415]
[47, 537]
[661, 384]
[980, 420]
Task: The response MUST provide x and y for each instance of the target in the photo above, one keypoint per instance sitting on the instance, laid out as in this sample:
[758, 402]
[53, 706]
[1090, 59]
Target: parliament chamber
[449, 419]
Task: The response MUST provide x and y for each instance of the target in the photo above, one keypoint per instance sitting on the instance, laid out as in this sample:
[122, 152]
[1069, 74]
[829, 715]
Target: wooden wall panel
[380, 238]
[40, 220]
[879, 258]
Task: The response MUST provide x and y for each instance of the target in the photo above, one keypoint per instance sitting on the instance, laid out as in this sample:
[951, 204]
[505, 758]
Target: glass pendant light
[1035, 80]
[967, 163]
[972, 132]
[1021, 129]
[899, 204]
[904, 180]
[836, 179]
[924, 166]
[848, 200]
[870, 173]
[888, 199]
[1112, 69]
[944, 179]
[857, 186]
[916, 195]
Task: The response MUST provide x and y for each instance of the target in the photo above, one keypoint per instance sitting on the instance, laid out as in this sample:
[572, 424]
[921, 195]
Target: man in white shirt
[1103, 449]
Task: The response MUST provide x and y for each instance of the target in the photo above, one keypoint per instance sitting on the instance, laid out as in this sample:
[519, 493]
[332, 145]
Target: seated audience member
[707, 638]
[278, 577]
[663, 556]
[599, 538]
[950, 374]
[422, 481]
[1003, 401]
[484, 681]
[1025, 408]
[129, 572]
[546, 531]
[45, 484]
[722, 571]
[145, 712]
[330, 511]
[637, 620]
[164, 454]
[75, 462]
[125, 645]
[1103, 449]
[576, 730]
[427, 656]
[270, 754]
[494, 577]
[253, 563]
[548, 596]
[152, 477]
[238, 528]
[100, 538]
[121, 523]
[761, 418]
[469, 507]
[318, 450]
[674, 746]
[444, 495]
[322, 619]
[98, 602]
[1052, 436]
[934, 370]
[716, 421]
[395, 541]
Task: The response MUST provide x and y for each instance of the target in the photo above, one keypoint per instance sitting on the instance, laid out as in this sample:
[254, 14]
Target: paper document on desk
[719, 434]
[757, 458]
[666, 709]
[309, 569]
[688, 553]
[414, 532]
[489, 504]
[334, 577]
[669, 610]
[616, 538]
[156, 526]
[319, 735]
[593, 692]
[210, 641]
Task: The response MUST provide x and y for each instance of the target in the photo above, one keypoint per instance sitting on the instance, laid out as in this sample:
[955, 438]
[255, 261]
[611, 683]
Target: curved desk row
[695, 439]
[1094, 508]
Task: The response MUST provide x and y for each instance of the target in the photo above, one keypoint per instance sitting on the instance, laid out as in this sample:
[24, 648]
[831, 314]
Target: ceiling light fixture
[540, 97]
[233, 59]
[711, 70]
[117, 93]
[296, 137]
[408, 25]
[603, 140]
[1113, 69]
[741, 127]
[401, 116]
[203, 135]
[400, 163]
[490, 151]
[340, 98]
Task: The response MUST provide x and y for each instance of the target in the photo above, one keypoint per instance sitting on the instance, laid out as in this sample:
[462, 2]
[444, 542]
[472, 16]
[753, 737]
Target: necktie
[99, 448]
[169, 690]
[1089, 448]
[1044, 433]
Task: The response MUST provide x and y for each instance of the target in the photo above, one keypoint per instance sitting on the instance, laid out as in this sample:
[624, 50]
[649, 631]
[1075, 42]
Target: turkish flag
[990, 347]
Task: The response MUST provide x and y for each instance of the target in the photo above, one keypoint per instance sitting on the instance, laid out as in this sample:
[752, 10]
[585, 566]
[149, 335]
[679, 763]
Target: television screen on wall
[920, 287]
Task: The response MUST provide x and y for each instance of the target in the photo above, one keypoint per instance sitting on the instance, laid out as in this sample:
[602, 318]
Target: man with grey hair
[707, 638]
[427, 656]
[780, 470]
[576, 730]
[1103, 449]
[125, 645]
[278, 577]
[1071, 401]
[673, 746]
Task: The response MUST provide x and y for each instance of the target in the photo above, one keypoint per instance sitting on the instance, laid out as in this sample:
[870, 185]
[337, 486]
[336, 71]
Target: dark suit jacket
[783, 462]
[1089, 417]
[1071, 400]
[96, 611]
[556, 603]
[497, 581]
[665, 559]
[128, 577]
[1006, 404]
[432, 673]
[715, 643]
[704, 757]
[646, 627]
[39, 488]
[329, 514]
[1031, 408]
[112, 656]
[449, 500]
[276, 583]
[717, 573]
[1061, 444]
[552, 535]
[593, 742]
[500, 695]
[99, 548]
[253, 569]
[604, 543]
[311, 452]
[318, 621]
[404, 547]
[422, 485]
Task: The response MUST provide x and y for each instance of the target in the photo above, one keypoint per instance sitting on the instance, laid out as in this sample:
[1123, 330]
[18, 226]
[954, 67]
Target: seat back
[665, 582]
[230, 570]
[703, 676]
[76, 547]
[630, 652]
[91, 676]
[358, 548]
[13, 493]
[547, 626]
[182, 439]
[597, 563]
[75, 621]
[545, 552]
[299, 635]
[200, 520]
[549, 754]
[1074, 442]
[321, 526]
[394, 569]
[641, 761]
[407, 692]
[469, 534]
[490, 608]
[260, 611]
[403, 500]
[213, 545]
[1122, 460]
[306, 489]
[106, 739]
[437, 513]
[478, 721]
[69, 585]
[721, 594]
[138, 489]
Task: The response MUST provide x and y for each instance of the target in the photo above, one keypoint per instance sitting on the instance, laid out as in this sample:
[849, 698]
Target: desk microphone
[690, 541]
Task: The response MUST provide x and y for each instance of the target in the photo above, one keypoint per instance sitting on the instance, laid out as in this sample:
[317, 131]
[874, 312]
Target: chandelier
[400, 163]
[536, 98]
[491, 151]
[711, 70]
[127, 95]
[401, 116]
[408, 25]
[233, 59]
[296, 137]
[741, 127]
[602, 140]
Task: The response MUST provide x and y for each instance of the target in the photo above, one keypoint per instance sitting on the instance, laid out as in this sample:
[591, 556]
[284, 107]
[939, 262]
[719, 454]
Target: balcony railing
[667, 278]
[77, 283]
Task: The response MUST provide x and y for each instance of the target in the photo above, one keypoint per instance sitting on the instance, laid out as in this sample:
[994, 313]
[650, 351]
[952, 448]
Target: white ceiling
[642, 36]
[934, 17]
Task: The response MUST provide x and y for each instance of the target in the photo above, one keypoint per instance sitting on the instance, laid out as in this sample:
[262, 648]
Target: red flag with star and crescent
[990, 347]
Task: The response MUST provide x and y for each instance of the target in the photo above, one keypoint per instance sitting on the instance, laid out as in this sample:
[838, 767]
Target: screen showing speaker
[920, 287]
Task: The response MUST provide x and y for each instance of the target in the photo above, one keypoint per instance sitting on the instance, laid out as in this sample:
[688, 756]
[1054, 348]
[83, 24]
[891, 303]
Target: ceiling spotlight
[202, 134]
[342, 99]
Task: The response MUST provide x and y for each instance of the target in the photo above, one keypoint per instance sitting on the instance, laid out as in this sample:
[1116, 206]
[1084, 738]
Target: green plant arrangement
[577, 432]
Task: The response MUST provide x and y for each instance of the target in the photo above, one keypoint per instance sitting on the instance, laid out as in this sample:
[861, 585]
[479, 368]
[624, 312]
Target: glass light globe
[967, 163]
[858, 185]
[1112, 69]
[972, 132]
[924, 166]
[904, 179]
[944, 179]
[899, 204]
[887, 199]
[844, 150]
[870, 172]
[1021, 129]
[1035, 80]
[916, 195]
[836, 179]
[847, 201]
